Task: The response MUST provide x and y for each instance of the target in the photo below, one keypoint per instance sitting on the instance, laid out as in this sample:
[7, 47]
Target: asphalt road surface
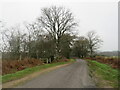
[75, 75]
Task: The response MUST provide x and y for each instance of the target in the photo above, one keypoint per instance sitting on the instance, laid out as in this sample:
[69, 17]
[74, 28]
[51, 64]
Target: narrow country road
[75, 75]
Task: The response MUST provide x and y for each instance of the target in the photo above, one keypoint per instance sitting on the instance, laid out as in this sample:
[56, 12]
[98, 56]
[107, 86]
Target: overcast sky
[98, 15]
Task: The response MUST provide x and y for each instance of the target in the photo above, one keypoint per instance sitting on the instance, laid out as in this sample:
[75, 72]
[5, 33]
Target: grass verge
[27, 71]
[105, 76]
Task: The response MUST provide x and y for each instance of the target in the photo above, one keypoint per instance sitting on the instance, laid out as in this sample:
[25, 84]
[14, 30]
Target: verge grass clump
[106, 72]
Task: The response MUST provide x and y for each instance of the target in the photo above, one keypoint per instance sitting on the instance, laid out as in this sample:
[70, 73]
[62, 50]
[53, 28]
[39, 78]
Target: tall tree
[94, 42]
[57, 21]
[34, 33]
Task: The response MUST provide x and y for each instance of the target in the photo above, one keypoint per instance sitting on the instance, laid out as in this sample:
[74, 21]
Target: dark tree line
[49, 37]
[87, 46]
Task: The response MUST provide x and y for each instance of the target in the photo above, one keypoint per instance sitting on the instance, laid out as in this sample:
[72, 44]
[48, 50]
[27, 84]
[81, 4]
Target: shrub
[11, 66]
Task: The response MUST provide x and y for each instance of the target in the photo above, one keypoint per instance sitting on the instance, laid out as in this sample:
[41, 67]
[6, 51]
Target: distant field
[109, 53]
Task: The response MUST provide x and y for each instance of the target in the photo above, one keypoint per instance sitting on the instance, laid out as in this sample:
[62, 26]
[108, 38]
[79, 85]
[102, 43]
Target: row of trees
[87, 46]
[50, 36]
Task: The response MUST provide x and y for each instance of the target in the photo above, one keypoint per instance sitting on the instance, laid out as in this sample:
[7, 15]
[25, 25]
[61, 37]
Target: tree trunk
[37, 54]
[50, 60]
[57, 48]
[47, 61]
[91, 53]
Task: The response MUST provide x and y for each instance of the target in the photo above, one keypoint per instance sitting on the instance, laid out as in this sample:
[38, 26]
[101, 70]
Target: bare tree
[3, 45]
[57, 21]
[35, 34]
[11, 37]
[94, 42]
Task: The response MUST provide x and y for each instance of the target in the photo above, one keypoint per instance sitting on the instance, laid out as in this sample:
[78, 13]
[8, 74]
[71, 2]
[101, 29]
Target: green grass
[27, 71]
[105, 72]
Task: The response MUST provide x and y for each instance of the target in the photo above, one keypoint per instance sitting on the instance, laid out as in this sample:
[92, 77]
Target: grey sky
[100, 16]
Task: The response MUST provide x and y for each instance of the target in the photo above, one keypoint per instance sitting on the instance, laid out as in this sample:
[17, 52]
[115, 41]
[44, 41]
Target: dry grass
[12, 66]
[113, 62]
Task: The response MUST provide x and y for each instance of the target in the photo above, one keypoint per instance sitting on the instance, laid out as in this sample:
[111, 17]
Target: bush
[12, 66]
